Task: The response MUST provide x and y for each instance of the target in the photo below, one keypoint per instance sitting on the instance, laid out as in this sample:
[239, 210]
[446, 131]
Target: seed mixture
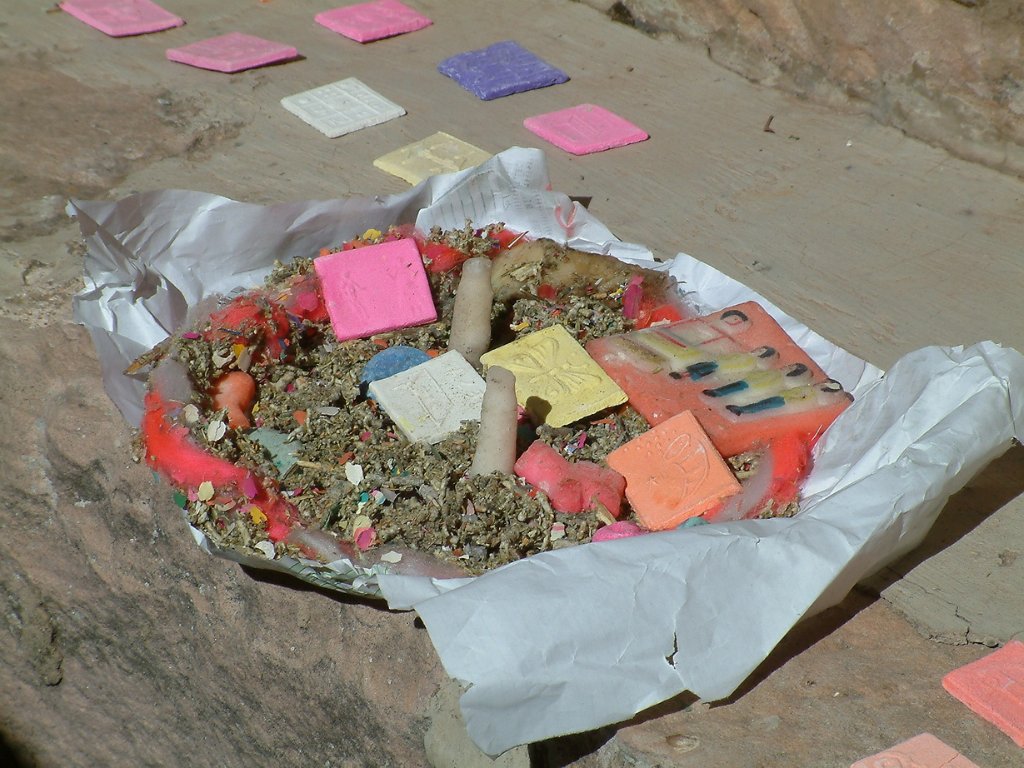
[340, 460]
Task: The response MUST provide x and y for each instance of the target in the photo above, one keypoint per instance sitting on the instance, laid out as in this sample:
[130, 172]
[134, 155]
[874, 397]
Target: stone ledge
[894, 61]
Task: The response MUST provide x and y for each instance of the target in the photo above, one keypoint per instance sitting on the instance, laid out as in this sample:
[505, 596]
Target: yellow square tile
[556, 380]
[428, 157]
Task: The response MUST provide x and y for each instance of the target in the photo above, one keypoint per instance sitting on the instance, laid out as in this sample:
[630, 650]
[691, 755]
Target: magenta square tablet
[121, 18]
[365, 22]
[375, 289]
[232, 52]
[584, 129]
[993, 687]
[500, 70]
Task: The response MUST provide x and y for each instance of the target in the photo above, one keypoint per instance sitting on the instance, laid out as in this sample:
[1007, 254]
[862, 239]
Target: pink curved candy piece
[620, 530]
[571, 487]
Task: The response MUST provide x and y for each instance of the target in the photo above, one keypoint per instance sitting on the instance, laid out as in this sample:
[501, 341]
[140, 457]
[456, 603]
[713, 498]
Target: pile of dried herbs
[339, 459]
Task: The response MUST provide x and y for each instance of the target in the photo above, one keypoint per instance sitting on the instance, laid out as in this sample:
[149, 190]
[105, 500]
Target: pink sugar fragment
[122, 18]
[571, 487]
[922, 751]
[584, 129]
[364, 538]
[233, 52]
[375, 289]
[622, 529]
[249, 486]
[993, 687]
[366, 22]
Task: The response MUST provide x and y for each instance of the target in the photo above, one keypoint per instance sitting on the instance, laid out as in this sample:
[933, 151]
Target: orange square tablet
[993, 687]
[673, 473]
[922, 751]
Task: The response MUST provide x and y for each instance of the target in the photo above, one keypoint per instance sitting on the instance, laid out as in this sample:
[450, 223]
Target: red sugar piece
[781, 468]
[922, 751]
[375, 289]
[302, 298]
[232, 52]
[993, 687]
[584, 129]
[365, 22]
[571, 487]
[247, 315]
[171, 451]
[122, 18]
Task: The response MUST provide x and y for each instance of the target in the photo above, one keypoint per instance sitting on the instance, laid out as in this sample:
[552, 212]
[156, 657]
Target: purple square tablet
[365, 22]
[121, 18]
[500, 70]
[232, 52]
[584, 129]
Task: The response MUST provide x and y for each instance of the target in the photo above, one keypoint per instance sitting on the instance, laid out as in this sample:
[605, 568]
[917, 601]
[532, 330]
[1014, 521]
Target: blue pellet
[390, 361]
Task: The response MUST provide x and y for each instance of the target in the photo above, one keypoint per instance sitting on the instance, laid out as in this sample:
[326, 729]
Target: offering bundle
[476, 397]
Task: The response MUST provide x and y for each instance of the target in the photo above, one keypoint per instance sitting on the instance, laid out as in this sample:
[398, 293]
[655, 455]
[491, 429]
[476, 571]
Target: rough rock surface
[123, 644]
[948, 72]
[114, 618]
[825, 678]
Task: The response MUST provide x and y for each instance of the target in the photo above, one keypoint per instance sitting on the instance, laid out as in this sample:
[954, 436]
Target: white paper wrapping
[583, 637]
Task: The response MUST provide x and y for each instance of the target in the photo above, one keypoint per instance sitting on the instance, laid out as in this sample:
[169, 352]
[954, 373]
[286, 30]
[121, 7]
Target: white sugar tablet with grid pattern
[342, 107]
[431, 400]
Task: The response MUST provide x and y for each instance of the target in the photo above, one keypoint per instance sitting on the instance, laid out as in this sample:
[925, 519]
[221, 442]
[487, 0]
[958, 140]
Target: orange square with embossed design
[922, 751]
[993, 687]
[673, 473]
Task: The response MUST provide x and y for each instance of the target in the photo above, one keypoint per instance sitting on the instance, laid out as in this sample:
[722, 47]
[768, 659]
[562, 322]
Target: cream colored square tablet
[439, 153]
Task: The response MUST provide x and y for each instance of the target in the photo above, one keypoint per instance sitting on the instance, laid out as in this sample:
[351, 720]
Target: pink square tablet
[922, 751]
[584, 129]
[375, 289]
[993, 687]
[366, 22]
[121, 18]
[232, 52]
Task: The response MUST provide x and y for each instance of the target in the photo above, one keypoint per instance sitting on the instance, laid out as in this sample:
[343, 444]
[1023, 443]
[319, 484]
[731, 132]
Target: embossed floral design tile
[673, 473]
[922, 751]
[993, 687]
[501, 69]
[375, 289]
[438, 153]
[342, 107]
[556, 380]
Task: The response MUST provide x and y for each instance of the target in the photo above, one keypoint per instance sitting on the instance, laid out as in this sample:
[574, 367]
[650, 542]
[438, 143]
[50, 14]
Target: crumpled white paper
[575, 639]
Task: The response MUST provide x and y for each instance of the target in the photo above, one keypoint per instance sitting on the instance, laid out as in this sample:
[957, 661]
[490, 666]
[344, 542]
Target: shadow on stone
[802, 637]
[13, 757]
[278, 579]
[564, 751]
[994, 487]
